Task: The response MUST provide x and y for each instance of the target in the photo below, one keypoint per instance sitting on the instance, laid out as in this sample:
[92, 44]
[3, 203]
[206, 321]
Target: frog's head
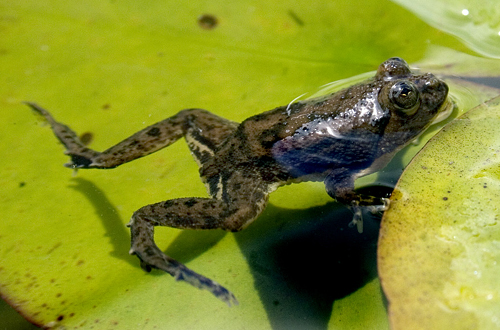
[413, 101]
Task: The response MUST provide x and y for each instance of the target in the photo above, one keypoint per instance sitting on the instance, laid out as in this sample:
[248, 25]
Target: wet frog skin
[335, 139]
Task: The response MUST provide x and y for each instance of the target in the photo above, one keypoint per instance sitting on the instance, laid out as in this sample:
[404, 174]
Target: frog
[334, 139]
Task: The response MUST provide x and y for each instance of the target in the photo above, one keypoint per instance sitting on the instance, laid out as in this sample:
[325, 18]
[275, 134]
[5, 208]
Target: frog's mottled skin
[335, 139]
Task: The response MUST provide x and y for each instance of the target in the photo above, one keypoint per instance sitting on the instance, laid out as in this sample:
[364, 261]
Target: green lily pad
[439, 255]
[111, 68]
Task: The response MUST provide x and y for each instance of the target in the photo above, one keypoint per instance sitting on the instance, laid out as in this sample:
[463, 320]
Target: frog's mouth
[445, 111]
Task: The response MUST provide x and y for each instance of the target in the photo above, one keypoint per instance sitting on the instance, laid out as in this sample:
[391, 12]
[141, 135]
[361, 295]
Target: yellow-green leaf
[439, 246]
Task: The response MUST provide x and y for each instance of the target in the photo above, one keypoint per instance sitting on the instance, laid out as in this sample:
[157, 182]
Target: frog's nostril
[433, 83]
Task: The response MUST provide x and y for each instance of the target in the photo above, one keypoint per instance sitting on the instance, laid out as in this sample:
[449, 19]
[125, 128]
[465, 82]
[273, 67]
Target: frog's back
[356, 130]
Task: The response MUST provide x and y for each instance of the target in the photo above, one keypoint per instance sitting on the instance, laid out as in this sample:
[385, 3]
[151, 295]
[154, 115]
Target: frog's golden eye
[405, 97]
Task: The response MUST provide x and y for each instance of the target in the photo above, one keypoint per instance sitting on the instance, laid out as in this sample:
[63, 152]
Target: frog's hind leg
[195, 213]
[148, 140]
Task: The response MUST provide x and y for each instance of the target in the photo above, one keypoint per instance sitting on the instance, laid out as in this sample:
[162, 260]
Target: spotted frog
[335, 139]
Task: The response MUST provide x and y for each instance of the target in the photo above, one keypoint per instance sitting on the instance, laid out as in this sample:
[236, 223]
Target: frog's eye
[405, 97]
[393, 69]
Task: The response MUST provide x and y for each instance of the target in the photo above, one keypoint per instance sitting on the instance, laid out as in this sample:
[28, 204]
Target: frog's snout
[433, 91]
[434, 85]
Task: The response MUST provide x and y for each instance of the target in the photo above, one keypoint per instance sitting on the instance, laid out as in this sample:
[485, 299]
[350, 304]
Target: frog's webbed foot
[152, 257]
[81, 156]
[340, 185]
[357, 209]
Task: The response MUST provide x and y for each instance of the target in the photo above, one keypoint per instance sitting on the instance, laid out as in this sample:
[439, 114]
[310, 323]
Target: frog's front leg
[339, 184]
[191, 213]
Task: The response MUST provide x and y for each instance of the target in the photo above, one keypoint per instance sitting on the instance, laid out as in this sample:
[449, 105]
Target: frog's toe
[357, 209]
[78, 161]
[384, 206]
[85, 158]
[357, 217]
[152, 257]
[201, 282]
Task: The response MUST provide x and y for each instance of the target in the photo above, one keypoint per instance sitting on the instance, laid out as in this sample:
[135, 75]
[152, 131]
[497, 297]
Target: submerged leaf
[439, 246]
[475, 22]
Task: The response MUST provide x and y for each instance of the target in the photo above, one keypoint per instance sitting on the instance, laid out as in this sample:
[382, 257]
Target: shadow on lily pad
[304, 260]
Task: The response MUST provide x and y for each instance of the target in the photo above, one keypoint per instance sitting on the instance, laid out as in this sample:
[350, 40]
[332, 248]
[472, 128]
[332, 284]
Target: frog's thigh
[204, 132]
[200, 213]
